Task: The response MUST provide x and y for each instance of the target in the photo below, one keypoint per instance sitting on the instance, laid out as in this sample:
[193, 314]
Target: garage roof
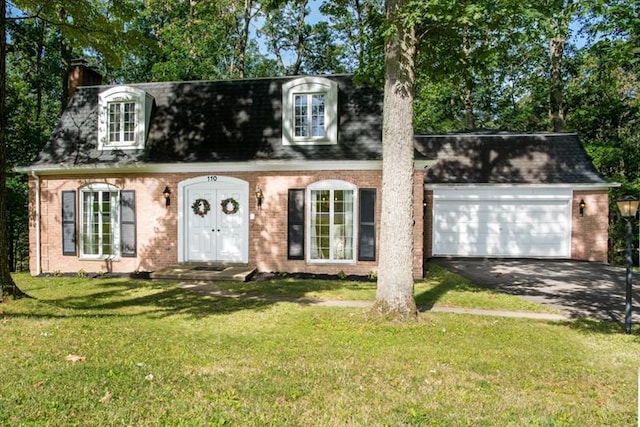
[507, 158]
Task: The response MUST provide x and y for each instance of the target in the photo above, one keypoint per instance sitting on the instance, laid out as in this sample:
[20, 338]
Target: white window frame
[142, 111]
[331, 185]
[114, 221]
[309, 86]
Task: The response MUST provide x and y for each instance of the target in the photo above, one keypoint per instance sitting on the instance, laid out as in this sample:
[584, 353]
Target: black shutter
[69, 223]
[367, 226]
[295, 224]
[128, 223]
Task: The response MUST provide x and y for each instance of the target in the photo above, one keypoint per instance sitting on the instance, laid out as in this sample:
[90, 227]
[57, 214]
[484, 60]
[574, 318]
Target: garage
[512, 195]
[497, 221]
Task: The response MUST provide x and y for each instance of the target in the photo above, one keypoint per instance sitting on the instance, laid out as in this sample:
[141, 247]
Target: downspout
[37, 224]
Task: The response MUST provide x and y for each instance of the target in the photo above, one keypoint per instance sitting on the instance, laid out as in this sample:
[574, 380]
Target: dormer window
[310, 111]
[124, 118]
[122, 122]
[308, 114]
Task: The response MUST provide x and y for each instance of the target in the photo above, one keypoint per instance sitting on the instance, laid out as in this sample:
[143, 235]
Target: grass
[159, 355]
[440, 288]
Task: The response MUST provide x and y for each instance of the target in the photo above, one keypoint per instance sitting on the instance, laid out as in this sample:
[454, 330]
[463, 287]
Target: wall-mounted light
[167, 196]
[259, 197]
[582, 206]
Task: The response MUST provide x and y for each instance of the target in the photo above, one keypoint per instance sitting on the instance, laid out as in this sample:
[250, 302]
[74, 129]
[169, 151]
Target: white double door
[219, 235]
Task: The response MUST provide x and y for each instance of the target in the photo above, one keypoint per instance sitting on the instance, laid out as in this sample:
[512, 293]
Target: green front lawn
[155, 354]
[440, 288]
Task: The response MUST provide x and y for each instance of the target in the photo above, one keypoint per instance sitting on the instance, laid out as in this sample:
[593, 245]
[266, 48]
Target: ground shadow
[133, 297]
[582, 290]
[118, 298]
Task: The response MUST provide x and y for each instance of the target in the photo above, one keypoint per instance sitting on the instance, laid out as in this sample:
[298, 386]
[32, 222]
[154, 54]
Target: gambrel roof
[216, 121]
[233, 121]
[507, 158]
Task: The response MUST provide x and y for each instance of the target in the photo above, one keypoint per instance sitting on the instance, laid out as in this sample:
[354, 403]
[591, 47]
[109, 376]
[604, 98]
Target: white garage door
[502, 222]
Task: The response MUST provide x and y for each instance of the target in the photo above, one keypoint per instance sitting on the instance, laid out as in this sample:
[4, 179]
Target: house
[284, 174]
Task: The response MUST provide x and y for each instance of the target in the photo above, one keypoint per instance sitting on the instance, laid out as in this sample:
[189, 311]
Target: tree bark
[8, 286]
[467, 99]
[394, 296]
[556, 95]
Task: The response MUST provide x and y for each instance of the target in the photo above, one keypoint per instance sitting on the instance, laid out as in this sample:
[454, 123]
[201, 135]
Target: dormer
[310, 111]
[124, 114]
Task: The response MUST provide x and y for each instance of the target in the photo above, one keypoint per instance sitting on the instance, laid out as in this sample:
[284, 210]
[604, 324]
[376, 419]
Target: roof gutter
[37, 224]
[575, 186]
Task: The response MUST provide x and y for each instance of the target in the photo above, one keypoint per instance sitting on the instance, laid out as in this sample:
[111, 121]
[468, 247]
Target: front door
[215, 225]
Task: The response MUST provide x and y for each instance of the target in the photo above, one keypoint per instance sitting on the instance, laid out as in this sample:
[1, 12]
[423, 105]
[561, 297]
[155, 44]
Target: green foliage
[96, 25]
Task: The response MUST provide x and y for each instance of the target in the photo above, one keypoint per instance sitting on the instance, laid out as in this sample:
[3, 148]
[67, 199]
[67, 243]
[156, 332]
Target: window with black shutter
[295, 224]
[69, 223]
[127, 223]
[367, 226]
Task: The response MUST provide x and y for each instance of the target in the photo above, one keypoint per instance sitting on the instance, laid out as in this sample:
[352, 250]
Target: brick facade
[157, 224]
[590, 231]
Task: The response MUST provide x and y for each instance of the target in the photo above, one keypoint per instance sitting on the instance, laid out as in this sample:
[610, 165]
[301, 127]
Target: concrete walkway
[211, 290]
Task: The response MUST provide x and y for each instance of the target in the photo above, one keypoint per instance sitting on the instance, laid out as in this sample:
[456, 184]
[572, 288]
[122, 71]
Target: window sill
[322, 141]
[98, 258]
[332, 261]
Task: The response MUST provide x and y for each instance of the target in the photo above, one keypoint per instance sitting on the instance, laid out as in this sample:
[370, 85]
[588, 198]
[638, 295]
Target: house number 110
[212, 178]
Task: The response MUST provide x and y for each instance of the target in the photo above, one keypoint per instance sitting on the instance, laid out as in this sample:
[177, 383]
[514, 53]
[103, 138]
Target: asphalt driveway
[579, 289]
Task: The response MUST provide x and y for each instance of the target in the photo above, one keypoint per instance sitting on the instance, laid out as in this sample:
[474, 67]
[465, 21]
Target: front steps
[206, 272]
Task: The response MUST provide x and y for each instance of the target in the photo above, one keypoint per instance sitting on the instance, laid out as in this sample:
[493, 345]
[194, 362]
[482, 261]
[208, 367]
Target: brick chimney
[80, 74]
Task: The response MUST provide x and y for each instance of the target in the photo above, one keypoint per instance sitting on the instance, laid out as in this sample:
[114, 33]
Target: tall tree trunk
[7, 284]
[556, 93]
[469, 116]
[301, 39]
[394, 296]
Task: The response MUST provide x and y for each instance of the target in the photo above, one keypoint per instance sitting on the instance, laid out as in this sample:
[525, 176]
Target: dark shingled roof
[216, 121]
[241, 120]
[507, 158]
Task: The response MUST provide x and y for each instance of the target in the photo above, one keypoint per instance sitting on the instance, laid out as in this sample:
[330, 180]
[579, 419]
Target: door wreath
[201, 207]
[230, 206]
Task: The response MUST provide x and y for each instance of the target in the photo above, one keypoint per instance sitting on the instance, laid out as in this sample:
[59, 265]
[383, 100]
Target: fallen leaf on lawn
[106, 398]
[75, 358]
[149, 377]
[39, 384]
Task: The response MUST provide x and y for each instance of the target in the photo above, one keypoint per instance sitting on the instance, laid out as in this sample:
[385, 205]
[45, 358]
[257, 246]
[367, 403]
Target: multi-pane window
[99, 223]
[124, 118]
[332, 225]
[308, 115]
[310, 111]
[122, 121]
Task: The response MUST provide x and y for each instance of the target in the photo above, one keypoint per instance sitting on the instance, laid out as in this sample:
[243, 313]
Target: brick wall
[589, 232]
[157, 231]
